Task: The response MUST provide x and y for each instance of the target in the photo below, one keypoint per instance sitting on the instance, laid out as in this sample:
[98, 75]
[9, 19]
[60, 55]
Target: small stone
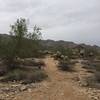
[23, 88]
[7, 95]
[29, 90]
[94, 98]
[6, 90]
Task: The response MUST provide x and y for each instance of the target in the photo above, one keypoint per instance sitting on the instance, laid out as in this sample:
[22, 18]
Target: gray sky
[70, 20]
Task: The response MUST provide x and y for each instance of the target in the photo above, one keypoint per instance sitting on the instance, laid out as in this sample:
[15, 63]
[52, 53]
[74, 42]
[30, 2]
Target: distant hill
[66, 44]
[54, 44]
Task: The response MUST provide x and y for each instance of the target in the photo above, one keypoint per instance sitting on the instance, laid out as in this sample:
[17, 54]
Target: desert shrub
[65, 66]
[36, 76]
[97, 57]
[97, 66]
[97, 74]
[93, 67]
[25, 76]
[15, 75]
[3, 68]
[30, 62]
[93, 80]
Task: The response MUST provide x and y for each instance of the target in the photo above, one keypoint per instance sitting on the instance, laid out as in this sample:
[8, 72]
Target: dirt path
[59, 86]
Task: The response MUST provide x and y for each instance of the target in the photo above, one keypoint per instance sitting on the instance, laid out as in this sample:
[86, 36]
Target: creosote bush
[65, 66]
[25, 76]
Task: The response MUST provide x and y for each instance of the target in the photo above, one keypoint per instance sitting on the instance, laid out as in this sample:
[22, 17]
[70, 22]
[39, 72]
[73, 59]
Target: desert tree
[22, 41]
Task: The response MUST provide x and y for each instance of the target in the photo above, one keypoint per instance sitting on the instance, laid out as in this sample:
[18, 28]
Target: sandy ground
[59, 86]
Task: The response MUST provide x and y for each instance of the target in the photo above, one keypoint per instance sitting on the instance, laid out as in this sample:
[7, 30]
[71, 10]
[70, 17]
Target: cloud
[73, 20]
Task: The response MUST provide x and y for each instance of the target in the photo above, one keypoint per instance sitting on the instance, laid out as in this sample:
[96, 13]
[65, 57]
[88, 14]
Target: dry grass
[27, 76]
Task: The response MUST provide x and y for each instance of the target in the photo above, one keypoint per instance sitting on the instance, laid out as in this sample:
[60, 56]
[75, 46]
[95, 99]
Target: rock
[62, 56]
[6, 90]
[7, 95]
[23, 88]
[94, 98]
[29, 90]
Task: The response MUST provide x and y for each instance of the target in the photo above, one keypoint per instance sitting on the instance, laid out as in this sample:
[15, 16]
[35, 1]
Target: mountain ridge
[53, 43]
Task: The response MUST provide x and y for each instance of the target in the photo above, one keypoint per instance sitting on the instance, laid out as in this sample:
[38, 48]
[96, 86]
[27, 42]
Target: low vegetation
[17, 53]
[66, 65]
[93, 68]
[63, 65]
[33, 75]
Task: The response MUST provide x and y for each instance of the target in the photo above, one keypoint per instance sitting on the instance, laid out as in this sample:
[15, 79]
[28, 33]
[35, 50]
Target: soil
[59, 86]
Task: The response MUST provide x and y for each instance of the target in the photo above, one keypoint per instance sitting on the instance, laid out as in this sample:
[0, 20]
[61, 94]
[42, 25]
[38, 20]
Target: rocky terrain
[59, 85]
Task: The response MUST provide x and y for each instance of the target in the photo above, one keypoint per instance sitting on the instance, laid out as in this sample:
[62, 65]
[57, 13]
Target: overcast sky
[70, 20]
